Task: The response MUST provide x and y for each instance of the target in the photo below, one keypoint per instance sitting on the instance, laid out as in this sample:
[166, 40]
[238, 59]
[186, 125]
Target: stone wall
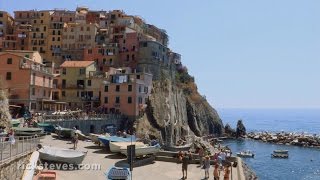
[88, 126]
[11, 170]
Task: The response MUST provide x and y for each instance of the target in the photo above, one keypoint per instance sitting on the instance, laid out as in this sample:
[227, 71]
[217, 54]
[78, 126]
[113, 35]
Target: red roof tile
[71, 64]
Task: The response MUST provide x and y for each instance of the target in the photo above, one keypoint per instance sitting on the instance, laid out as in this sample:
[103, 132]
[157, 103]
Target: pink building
[125, 92]
[27, 80]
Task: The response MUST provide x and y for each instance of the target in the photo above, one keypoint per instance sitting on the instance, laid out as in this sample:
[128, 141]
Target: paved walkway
[97, 155]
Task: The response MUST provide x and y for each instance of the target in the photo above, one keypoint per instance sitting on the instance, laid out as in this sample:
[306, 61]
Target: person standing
[201, 154]
[11, 137]
[206, 165]
[216, 172]
[185, 162]
[227, 173]
[75, 140]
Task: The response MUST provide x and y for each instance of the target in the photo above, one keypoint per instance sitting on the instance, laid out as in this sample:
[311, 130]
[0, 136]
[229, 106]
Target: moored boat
[16, 122]
[61, 155]
[46, 127]
[116, 173]
[94, 137]
[116, 146]
[144, 150]
[280, 154]
[246, 154]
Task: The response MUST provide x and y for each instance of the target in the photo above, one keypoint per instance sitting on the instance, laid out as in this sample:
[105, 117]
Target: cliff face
[175, 110]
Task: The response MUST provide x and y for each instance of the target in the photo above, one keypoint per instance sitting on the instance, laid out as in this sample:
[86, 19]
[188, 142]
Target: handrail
[22, 146]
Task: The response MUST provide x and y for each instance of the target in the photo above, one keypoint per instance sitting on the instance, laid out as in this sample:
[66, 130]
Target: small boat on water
[46, 175]
[116, 146]
[61, 155]
[281, 151]
[24, 131]
[280, 154]
[144, 150]
[246, 154]
[116, 173]
[106, 140]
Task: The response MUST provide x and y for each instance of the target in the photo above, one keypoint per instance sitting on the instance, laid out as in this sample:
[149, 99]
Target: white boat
[94, 137]
[246, 154]
[61, 155]
[28, 172]
[281, 151]
[144, 150]
[116, 146]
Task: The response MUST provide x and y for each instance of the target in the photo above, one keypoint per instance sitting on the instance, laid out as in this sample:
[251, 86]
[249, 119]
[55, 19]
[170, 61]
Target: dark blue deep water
[303, 163]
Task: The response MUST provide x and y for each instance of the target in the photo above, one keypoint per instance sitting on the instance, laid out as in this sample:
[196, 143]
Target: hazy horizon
[243, 54]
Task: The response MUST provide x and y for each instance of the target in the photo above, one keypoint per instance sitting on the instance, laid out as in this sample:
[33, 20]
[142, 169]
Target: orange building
[28, 80]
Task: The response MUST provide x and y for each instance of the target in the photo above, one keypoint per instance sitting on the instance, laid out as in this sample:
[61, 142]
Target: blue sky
[243, 54]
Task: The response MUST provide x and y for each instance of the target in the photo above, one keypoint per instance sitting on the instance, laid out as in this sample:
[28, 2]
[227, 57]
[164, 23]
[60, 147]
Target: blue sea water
[303, 163]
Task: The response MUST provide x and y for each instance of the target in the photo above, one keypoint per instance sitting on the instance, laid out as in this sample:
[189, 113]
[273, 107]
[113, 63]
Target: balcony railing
[39, 68]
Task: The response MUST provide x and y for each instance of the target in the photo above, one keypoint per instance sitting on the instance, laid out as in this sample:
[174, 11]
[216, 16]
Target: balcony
[38, 68]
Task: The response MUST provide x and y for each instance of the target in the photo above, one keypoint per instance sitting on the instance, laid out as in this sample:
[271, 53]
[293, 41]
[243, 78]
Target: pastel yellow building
[75, 87]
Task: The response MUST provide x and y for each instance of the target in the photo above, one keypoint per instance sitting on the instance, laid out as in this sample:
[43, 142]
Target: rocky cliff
[176, 109]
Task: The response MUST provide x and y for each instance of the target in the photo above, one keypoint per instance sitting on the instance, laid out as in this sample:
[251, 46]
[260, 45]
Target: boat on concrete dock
[24, 131]
[61, 155]
[117, 146]
[106, 140]
[185, 147]
[63, 132]
[143, 150]
[94, 137]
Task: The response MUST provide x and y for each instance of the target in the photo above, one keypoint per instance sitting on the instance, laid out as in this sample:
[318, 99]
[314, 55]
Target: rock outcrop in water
[229, 130]
[175, 109]
[241, 130]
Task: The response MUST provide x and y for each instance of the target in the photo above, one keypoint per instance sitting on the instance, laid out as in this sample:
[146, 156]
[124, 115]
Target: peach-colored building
[28, 80]
[125, 92]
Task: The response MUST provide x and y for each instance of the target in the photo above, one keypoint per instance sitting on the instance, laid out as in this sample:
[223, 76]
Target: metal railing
[22, 146]
[80, 117]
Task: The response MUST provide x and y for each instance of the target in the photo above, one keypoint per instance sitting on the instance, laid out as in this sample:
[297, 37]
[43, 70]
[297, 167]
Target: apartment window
[8, 76]
[106, 100]
[140, 100]
[145, 44]
[53, 32]
[9, 61]
[129, 100]
[140, 89]
[44, 28]
[35, 21]
[1, 15]
[43, 80]
[117, 88]
[53, 38]
[42, 14]
[88, 28]
[128, 57]
[70, 19]
[64, 71]
[81, 29]
[111, 62]
[63, 93]
[77, 93]
[33, 105]
[34, 78]
[58, 39]
[82, 71]
[106, 88]
[130, 88]
[33, 91]
[41, 21]
[44, 92]
[146, 89]
[138, 76]
[133, 57]
[89, 82]
[117, 100]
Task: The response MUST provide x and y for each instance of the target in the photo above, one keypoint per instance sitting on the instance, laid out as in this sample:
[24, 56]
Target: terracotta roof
[71, 64]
